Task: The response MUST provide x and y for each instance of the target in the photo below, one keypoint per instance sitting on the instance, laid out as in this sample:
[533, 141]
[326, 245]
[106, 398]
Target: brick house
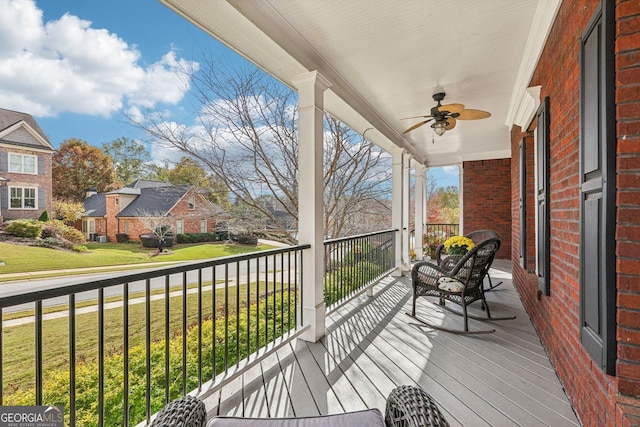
[135, 209]
[25, 167]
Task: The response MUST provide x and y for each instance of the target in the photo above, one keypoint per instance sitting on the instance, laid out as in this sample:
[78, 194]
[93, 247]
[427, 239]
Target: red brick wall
[628, 197]
[41, 180]
[599, 399]
[112, 222]
[486, 198]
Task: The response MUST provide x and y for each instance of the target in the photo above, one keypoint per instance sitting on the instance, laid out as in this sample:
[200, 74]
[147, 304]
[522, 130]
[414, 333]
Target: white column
[406, 199]
[311, 87]
[397, 204]
[461, 202]
[419, 208]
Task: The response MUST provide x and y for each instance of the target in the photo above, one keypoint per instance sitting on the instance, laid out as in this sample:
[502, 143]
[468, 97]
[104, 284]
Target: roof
[155, 201]
[9, 118]
[143, 183]
[95, 205]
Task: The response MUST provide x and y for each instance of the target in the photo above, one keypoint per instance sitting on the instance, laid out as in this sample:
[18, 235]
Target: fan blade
[416, 117]
[473, 114]
[451, 108]
[451, 123]
[416, 126]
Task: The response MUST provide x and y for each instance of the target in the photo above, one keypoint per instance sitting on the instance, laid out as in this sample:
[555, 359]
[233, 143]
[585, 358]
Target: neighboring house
[135, 209]
[25, 167]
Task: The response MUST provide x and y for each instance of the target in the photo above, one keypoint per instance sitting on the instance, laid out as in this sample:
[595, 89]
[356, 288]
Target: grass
[18, 365]
[28, 259]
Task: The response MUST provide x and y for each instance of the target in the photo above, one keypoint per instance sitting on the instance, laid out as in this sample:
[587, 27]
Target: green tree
[130, 159]
[189, 171]
[77, 166]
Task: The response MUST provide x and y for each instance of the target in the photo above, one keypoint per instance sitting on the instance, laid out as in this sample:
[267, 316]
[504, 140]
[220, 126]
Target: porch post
[419, 208]
[400, 208]
[461, 200]
[311, 87]
[406, 199]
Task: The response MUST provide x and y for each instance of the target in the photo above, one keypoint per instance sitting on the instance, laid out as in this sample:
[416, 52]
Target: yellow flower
[458, 245]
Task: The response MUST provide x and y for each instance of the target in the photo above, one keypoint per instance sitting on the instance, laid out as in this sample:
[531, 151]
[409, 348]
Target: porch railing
[115, 351]
[353, 263]
[436, 231]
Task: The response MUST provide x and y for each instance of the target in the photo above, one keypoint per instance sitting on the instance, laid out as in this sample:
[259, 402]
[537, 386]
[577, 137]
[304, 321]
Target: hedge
[198, 237]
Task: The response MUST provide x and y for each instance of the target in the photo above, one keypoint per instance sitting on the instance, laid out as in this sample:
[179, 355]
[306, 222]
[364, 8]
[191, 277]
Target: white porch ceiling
[385, 59]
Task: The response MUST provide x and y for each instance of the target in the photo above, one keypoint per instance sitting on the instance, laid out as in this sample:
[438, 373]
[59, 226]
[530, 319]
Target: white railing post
[311, 87]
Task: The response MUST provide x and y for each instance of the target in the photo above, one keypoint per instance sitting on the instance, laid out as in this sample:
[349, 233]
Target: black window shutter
[523, 205]
[542, 198]
[597, 188]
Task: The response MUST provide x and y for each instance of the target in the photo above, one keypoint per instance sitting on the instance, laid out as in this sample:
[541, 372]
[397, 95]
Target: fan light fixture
[445, 117]
[440, 127]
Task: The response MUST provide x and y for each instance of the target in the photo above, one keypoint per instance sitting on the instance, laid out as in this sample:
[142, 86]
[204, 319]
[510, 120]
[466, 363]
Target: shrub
[44, 216]
[197, 237]
[79, 248]
[52, 241]
[62, 230]
[247, 239]
[25, 228]
[122, 238]
[151, 241]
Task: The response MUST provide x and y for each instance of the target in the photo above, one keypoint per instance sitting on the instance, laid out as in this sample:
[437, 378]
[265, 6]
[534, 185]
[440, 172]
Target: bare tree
[247, 136]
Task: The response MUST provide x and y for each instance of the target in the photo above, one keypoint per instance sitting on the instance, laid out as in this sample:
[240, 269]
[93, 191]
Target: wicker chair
[412, 407]
[187, 411]
[407, 406]
[457, 279]
[477, 236]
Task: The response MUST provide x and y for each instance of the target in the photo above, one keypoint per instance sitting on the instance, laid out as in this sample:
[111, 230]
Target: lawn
[21, 258]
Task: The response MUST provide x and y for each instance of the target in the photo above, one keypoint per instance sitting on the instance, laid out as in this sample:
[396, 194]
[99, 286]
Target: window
[126, 226]
[117, 201]
[22, 163]
[179, 226]
[22, 198]
[192, 203]
[203, 225]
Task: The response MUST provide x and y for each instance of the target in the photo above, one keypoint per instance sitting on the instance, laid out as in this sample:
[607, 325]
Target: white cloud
[65, 65]
[451, 170]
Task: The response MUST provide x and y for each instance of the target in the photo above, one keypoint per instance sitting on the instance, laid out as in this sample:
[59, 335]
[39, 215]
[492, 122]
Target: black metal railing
[114, 351]
[434, 233]
[353, 263]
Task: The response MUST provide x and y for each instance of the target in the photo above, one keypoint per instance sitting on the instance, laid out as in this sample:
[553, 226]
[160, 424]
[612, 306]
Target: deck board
[372, 346]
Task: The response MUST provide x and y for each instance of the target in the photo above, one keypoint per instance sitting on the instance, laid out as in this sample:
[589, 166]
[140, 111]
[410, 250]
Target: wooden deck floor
[372, 346]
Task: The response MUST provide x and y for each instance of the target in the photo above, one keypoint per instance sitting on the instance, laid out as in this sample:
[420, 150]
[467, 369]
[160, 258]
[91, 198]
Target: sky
[77, 65]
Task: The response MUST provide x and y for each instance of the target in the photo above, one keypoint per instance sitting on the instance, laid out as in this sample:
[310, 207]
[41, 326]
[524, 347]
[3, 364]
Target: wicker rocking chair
[407, 406]
[477, 236]
[458, 280]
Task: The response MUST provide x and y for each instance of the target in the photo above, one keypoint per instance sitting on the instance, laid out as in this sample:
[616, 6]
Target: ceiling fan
[445, 117]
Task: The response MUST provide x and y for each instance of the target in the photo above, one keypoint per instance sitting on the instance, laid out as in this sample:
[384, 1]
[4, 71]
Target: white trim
[542, 22]
[29, 129]
[23, 187]
[35, 165]
[528, 106]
